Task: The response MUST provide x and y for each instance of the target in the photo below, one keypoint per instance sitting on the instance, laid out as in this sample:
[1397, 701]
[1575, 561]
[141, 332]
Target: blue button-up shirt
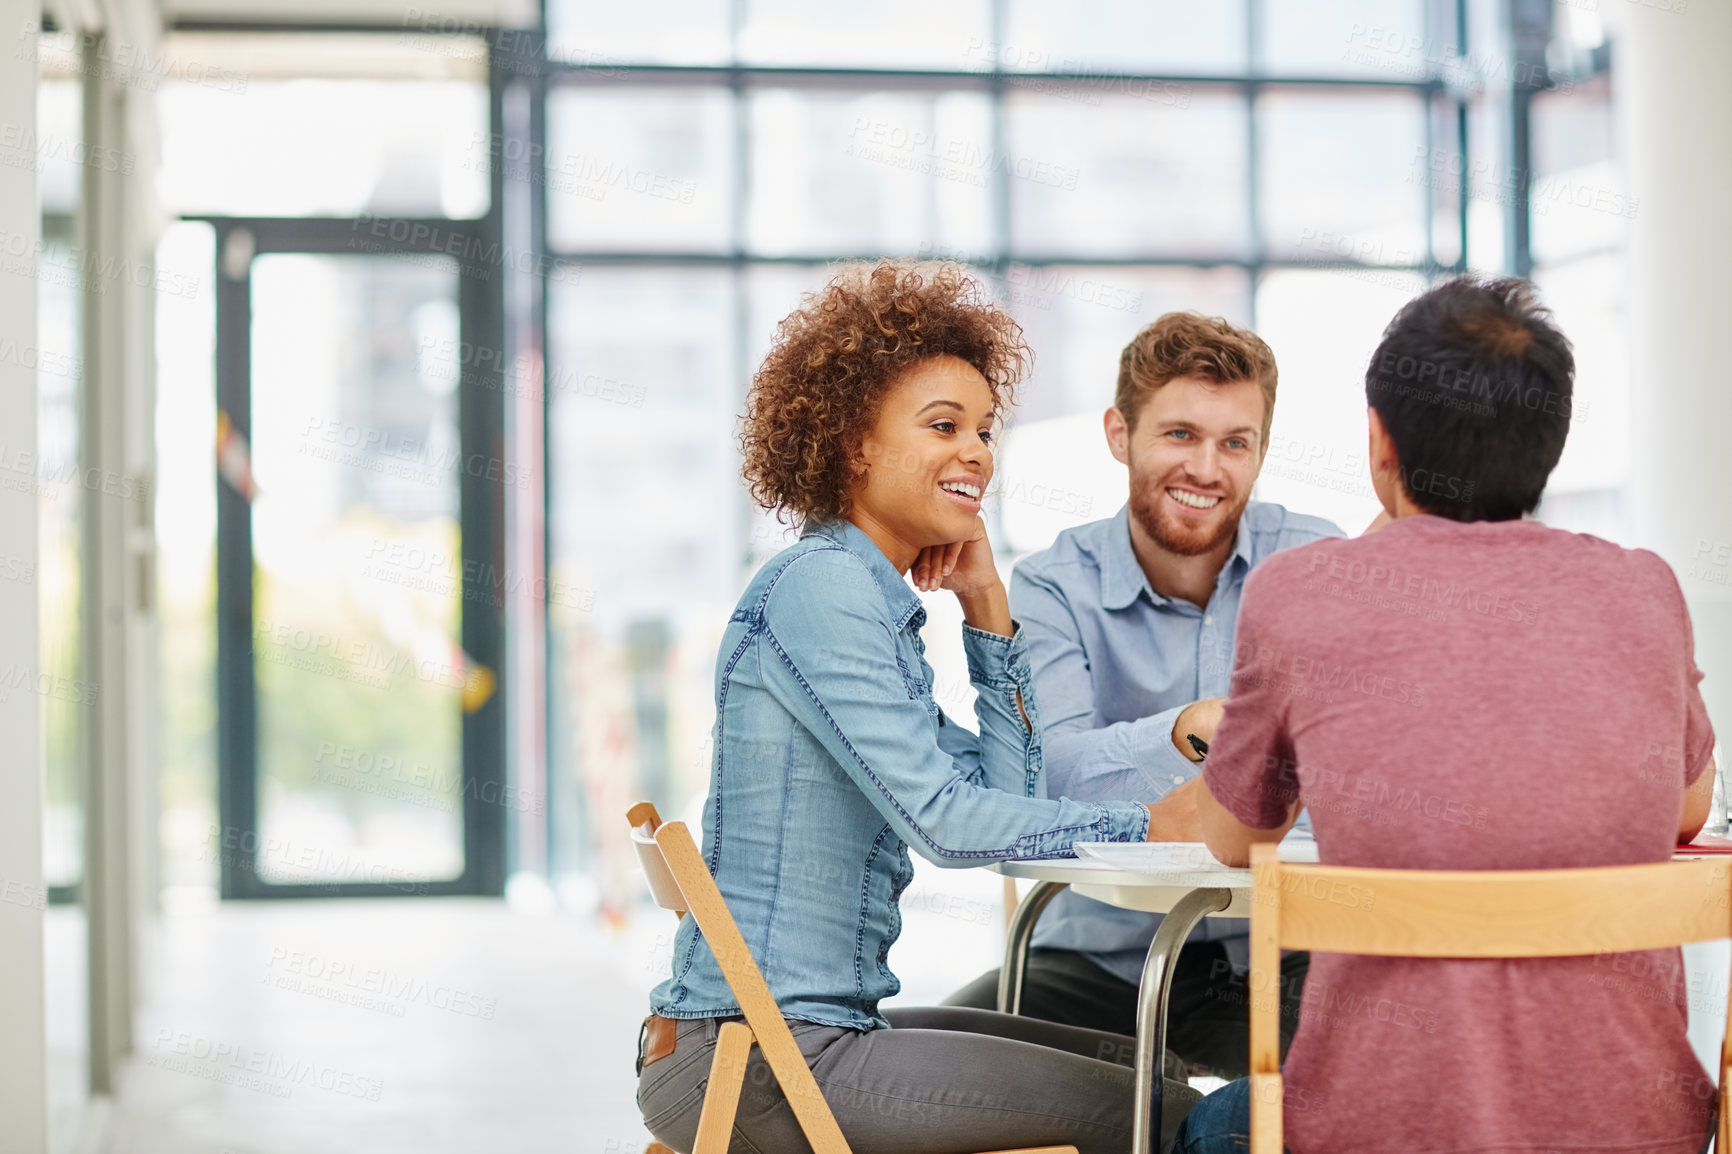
[832, 759]
[1114, 665]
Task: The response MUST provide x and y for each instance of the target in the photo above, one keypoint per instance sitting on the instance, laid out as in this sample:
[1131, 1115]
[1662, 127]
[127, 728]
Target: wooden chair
[679, 881]
[1466, 914]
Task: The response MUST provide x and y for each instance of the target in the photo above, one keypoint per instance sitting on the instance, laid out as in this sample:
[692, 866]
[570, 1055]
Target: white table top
[1152, 890]
[1155, 890]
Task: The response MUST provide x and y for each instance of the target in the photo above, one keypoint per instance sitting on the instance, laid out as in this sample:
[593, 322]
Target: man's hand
[1201, 718]
[1174, 817]
[1698, 801]
[1230, 839]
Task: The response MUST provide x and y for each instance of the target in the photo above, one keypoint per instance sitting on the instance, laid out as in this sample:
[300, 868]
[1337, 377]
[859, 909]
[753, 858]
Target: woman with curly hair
[870, 424]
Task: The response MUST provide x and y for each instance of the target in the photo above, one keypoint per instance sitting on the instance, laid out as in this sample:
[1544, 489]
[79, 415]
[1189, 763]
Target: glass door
[359, 513]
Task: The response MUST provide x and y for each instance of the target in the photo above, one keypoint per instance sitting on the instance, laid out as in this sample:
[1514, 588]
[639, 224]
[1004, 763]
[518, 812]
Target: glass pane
[876, 173]
[1170, 36]
[596, 34]
[358, 586]
[1323, 327]
[1438, 173]
[57, 152]
[888, 34]
[1578, 32]
[186, 557]
[1078, 319]
[772, 292]
[1491, 184]
[1577, 195]
[1338, 179]
[1589, 298]
[1384, 39]
[1130, 177]
[57, 572]
[642, 169]
[325, 148]
[646, 524]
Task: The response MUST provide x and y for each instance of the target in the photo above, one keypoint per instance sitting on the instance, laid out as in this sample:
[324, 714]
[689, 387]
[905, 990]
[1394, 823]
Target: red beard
[1174, 535]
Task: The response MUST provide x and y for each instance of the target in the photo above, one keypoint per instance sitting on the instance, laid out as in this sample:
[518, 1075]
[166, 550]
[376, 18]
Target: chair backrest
[669, 853]
[1466, 914]
[645, 821]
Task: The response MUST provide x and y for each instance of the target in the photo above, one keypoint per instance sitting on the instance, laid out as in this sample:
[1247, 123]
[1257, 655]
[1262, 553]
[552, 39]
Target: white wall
[1674, 104]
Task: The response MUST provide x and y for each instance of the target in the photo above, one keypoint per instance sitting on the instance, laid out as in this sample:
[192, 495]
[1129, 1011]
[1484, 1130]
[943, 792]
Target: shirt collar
[1241, 544]
[1123, 579]
[898, 594]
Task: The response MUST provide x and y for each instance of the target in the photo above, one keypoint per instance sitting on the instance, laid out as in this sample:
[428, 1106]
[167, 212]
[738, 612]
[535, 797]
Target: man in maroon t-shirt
[1466, 689]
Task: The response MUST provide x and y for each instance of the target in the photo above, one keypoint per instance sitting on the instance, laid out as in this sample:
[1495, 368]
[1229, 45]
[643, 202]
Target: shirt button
[1207, 619]
[1178, 780]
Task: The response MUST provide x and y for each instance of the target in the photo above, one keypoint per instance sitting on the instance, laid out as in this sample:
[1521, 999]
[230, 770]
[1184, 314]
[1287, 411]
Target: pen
[1198, 744]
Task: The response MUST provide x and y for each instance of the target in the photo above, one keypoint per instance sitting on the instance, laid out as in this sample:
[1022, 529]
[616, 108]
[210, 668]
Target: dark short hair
[1474, 382]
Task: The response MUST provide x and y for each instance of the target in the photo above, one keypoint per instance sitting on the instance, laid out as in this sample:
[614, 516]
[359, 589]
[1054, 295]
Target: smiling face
[927, 459]
[1193, 456]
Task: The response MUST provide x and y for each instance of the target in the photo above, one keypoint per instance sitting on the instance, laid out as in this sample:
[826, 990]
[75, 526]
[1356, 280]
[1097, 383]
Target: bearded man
[1130, 623]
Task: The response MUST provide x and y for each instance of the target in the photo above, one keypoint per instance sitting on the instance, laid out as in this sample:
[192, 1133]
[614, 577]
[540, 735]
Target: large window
[1293, 165]
[668, 180]
[356, 356]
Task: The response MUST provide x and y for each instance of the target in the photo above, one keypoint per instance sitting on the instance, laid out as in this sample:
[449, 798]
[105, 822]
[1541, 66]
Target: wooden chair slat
[1266, 1114]
[722, 1095]
[1467, 914]
[680, 880]
[1264, 989]
[1503, 914]
[775, 1040]
[663, 886]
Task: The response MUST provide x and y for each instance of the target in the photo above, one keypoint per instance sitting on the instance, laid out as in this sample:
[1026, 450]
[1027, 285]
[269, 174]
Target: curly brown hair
[834, 358]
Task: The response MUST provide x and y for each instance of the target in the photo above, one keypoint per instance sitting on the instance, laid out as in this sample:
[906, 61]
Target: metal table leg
[1010, 974]
[1152, 996]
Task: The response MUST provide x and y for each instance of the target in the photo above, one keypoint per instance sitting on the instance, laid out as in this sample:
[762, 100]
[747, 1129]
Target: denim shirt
[832, 759]
[1115, 663]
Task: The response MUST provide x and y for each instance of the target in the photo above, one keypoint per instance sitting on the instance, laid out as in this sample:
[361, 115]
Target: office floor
[451, 1026]
[379, 1026]
[432, 1025]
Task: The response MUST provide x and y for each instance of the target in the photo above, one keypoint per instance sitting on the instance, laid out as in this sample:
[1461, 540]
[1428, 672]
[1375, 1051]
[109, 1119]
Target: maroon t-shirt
[1476, 696]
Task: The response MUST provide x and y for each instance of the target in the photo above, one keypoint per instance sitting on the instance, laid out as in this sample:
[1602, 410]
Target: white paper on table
[1148, 857]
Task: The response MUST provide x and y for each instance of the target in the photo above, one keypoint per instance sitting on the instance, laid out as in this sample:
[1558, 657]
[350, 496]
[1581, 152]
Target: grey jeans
[1208, 1013]
[942, 1080]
